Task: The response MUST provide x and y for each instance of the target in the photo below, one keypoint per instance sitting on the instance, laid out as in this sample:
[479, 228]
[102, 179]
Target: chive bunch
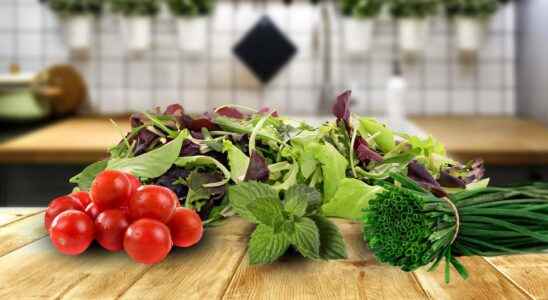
[408, 227]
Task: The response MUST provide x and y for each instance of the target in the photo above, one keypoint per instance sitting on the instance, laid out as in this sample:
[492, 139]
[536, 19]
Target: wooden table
[498, 140]
[218, 268]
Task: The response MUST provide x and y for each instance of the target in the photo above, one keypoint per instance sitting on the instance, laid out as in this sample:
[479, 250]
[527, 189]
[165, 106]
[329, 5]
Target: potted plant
[191, 22]
[136, 21]
[359, 17]
[471, 17]
[413, 23]
[77, 17]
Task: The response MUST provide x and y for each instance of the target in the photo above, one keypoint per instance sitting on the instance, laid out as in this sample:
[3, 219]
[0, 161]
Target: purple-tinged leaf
[172, 180]
[477, 170]
[471, 172]
[420, 174]
[174, 110]
[366, 154]
[448, 180]
[267, 110]
[145, 138]
[136, 120]
[341, 108]
[201, 122]
[257, 169]
[190, 149]
[230, 112]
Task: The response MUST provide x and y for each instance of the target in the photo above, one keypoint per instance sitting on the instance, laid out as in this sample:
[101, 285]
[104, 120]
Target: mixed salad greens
[237, 160]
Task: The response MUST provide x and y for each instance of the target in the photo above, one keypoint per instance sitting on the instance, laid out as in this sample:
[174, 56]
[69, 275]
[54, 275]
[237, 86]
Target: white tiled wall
[439, 83]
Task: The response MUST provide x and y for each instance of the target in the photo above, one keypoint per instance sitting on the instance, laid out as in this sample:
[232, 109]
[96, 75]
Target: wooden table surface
[498, 140]
[218, 268]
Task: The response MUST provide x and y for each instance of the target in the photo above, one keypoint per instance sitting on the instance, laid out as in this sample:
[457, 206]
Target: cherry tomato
[134, 182]
[110, 189]
[92, 211]
[147, 241]
[186, 227]
[83, 197]
[154, 202]
[59, 205]
[110, 227]
[72, 232]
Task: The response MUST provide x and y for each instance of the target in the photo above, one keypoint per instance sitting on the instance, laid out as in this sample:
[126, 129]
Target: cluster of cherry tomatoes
[121, 214]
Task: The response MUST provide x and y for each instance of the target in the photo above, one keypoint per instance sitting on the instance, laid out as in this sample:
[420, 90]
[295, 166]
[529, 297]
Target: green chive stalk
[406, 226]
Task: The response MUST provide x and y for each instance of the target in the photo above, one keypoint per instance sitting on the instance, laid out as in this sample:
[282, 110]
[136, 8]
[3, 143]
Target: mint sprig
[294, 222]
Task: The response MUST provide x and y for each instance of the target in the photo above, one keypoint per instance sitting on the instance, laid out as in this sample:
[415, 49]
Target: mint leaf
[265, 246]
[311, 197]
[331, 241]
[245, 193]
[267, 211]
[296, 206]
[306, 238]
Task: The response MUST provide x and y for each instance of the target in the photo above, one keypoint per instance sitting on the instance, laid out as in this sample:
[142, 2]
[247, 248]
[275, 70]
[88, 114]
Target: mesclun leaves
[296, 223]
[85, 178]
[151, 164]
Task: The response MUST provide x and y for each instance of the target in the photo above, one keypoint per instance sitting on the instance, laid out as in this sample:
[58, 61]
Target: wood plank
[498, 140]
[19, 233]
[75, 140]
[11, 214]
[361, 276]
[485, 282]
[201, 272]
[530, 272]
[38, 270]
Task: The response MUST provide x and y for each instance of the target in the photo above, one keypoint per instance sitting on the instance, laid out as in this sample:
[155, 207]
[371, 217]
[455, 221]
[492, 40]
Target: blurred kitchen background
[471, 72]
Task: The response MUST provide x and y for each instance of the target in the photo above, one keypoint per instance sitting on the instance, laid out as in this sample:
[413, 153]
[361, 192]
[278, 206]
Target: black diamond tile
[265, 49]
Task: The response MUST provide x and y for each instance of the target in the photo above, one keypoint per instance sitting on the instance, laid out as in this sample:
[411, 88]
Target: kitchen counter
[498, 140]
[218, 268]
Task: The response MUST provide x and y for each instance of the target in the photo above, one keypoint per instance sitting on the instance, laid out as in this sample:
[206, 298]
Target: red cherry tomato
[92, 211]
[147, 241]
[134, 183]
[83, 197]
[72, 232]
[59, 205]
[110, 190]
[154, 202]
[186, 227]
[110, 227]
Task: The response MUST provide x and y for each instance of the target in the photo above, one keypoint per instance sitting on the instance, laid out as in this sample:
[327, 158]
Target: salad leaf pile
[417, 205]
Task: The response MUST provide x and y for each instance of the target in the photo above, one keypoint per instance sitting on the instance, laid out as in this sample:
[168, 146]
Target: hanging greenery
[472, 8]
[413, 8]
[76, 7]
[136, 7]
[190, 7]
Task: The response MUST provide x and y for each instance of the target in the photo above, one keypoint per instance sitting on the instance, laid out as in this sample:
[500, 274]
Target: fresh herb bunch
[135, 7]
[190, 7]
[409, 227]
[413, 8]
[76, 7]
[367, 8]
[295, 222]
[471, 8]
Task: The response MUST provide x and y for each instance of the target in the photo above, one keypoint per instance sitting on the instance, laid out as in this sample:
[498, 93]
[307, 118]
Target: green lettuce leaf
[384, 136]
[237, 161]
[351, 198]
[333, 166]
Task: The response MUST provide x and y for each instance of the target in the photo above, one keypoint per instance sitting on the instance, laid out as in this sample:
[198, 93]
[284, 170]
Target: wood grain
[485, 282]
[498, 140]
[530, 272]
[11, 214]
[24, 231]
[359, 277]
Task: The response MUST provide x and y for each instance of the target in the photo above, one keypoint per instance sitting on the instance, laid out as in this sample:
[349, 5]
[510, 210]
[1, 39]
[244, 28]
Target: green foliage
[190, 7]
[85, 178]
[76, 7]
[151, 164]
[471, 8]
[295, 223]
[135, 7]
[367, 8]
[413, 8]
